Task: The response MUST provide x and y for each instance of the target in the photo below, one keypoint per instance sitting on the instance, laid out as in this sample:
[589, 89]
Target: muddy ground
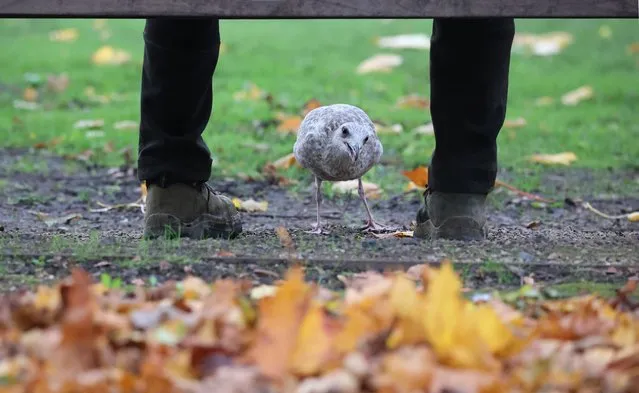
[560, 242]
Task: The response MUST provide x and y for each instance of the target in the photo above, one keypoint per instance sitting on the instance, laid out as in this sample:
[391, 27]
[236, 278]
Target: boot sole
[204, 227]
[455, 228]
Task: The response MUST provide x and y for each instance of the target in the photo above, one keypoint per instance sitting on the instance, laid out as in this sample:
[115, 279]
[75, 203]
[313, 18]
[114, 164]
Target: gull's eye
[365, 139]
[345, 131]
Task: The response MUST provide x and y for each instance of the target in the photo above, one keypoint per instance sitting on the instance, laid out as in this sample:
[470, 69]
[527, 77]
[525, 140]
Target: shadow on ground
[554, 243]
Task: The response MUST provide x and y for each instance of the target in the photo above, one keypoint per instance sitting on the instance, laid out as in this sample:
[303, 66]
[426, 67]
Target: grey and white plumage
[336, 143]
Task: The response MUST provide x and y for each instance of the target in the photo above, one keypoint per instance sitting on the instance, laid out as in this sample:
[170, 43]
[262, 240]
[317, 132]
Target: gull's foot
[372, 226]
[317, 230]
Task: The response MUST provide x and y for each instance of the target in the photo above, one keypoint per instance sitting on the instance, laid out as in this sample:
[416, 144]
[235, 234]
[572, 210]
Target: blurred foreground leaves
[394, 332]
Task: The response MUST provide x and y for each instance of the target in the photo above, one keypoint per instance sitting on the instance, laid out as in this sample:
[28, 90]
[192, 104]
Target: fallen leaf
[405, 41]
[385, 129]
[576, 96]
[21, 104]
[290, 124]
[544, 101]
[57, 83]
[126, 125]
[285, 162]
[419, 176]
[425, 129]
[53, 142]
[278, 328]
[516, 123]
[250, 205]
[533, 224]
[633, 48]
[410, 186]
[54, 221]
[88, 124]
[371, 190]
[413, 101]
[398, 234]
[633, 217]
[107, 55]
[64, 35]
[565, 158]
[310, 105]
[250, 92]
[30, 94]
[379, 63]
[94, 134]
[544, 44]
[605, 31]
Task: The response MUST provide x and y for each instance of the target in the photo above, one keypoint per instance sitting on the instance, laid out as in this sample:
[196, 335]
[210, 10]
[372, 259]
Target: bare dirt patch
[565, 243]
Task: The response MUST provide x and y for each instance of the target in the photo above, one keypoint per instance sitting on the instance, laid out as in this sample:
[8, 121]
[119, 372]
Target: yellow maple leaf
[409, 306]
[565, 158]
[107, 55]
[314, 347]
[279, 319]
[64, 35]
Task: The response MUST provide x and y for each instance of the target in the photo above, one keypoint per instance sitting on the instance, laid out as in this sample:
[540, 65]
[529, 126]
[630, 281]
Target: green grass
[299, 60]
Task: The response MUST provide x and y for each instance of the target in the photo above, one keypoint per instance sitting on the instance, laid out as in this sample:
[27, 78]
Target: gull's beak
[354, 150]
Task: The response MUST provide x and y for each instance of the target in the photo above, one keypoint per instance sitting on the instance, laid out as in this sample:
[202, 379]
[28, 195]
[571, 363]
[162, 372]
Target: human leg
[180, 57]
[470, 60]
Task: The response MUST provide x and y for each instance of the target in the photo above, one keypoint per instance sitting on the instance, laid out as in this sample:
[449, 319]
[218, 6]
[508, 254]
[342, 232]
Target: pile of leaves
[393, 332]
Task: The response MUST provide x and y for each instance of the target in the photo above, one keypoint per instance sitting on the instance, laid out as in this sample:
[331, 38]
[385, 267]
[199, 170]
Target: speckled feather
[318, 146]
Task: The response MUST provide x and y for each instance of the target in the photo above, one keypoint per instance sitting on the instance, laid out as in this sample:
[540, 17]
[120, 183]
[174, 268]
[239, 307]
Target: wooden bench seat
[318, 9]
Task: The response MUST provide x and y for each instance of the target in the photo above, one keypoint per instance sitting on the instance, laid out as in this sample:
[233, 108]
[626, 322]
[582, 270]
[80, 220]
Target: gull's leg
[317, 229]
[371, 225]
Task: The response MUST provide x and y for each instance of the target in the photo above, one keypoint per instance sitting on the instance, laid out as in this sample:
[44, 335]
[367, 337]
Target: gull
[337, 143]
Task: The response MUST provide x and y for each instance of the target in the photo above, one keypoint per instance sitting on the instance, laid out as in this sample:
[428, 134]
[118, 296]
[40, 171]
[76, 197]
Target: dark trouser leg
[180, 56]
[469, 64]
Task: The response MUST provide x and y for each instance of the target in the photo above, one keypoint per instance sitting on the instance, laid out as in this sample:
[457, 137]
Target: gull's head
[350, 138]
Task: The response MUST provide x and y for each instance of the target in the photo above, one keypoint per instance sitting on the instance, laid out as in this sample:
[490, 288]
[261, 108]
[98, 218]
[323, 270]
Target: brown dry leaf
[289, 124]
[565, 158]
[250, 92]
[52, 143]
[250, 205]
[64, 35]
[633, 48]
[379, 63]
[544, 44]
[574, 97]
[404, 41]
[285, 238]
[30, 94]
[371, 190]
[285, 162]
[418, 176]
[414, 101]
[107, 55]
[516, 123]
[57, 83]
[425, 129]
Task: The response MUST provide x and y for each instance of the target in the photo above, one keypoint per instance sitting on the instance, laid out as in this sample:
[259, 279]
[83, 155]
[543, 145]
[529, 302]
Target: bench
[318, 9]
